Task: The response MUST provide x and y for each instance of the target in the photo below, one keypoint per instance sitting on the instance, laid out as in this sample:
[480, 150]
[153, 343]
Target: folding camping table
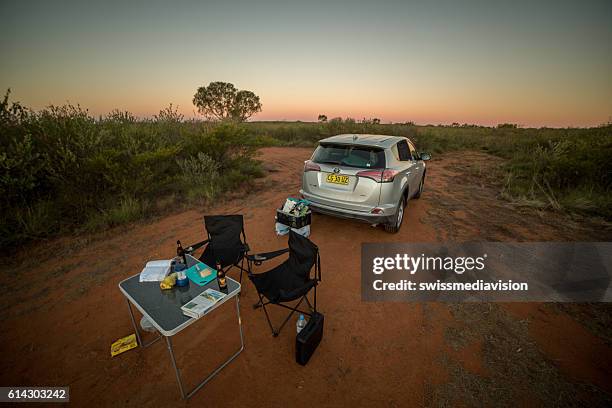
[163, 309]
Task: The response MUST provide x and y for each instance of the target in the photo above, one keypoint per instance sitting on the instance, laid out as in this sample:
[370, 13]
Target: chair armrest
[191, 248]
[264, 256]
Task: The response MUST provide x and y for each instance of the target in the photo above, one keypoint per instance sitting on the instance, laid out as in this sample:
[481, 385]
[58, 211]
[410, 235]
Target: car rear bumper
[349, 214]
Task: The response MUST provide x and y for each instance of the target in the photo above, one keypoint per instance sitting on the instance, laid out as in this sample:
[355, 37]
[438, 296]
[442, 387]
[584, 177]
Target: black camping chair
[226, 243]
[290, 280]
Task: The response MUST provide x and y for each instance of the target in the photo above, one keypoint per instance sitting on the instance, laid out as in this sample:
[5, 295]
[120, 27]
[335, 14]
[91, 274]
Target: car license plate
[336, 179]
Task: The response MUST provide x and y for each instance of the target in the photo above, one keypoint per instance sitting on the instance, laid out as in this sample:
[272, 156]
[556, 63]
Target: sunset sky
[529, 62]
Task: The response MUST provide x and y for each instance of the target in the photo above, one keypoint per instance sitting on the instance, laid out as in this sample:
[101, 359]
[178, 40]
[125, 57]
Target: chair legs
[294, 309]
[261, 304]
[247, 270]
[309, 305]
[290, 314]
[241, 267]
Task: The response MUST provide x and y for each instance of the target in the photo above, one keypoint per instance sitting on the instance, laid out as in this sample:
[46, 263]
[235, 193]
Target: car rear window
[350, 155]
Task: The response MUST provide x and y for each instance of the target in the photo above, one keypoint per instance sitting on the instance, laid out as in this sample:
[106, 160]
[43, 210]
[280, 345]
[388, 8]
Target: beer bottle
[221, 276]
[180, 251]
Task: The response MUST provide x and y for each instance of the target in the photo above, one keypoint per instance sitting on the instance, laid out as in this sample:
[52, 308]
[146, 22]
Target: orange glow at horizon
[535, 64]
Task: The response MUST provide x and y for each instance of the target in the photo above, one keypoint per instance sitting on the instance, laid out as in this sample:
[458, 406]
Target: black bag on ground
[309, 338]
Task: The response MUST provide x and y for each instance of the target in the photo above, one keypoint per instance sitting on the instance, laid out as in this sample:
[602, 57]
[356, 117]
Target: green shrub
[564, 169]
[61, 170]
[36, 221]
[224, 144]
[127, 210]
[200, 175]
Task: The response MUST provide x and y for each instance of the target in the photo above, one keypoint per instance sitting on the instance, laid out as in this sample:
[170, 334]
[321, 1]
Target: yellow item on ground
[123, 344]
[168, 282]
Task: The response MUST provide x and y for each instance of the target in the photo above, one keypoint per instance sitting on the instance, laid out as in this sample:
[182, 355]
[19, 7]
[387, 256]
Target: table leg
[239, 322]
[140, 343]
[216, 370]
[176, 370]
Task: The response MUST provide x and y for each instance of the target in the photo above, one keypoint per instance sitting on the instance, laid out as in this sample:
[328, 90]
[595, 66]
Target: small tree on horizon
[222, 101]
[322, 118]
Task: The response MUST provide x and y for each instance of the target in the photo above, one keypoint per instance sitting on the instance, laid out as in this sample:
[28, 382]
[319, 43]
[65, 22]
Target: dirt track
[59, 317]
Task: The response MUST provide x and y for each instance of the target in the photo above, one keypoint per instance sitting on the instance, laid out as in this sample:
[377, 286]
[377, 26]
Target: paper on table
[163, 262]
[201, 303]
[155, 271]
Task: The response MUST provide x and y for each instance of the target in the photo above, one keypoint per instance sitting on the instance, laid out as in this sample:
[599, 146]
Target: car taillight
[389, 175]
[379, 176]
[310, 166]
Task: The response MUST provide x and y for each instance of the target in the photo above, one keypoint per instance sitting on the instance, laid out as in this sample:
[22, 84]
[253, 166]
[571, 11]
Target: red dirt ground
[61, 309]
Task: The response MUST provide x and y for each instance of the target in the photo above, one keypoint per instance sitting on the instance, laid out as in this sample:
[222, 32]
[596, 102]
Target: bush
[200, 175]
[225, 144]
[61, 170]
[127, 210]
[565, 169]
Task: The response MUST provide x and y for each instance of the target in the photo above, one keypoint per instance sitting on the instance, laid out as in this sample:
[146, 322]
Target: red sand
[60, 317]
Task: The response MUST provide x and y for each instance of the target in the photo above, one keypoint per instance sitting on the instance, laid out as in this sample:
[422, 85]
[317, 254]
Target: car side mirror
[425, 156]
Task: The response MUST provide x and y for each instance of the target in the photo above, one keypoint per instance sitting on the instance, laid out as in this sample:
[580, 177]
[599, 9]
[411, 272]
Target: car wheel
[421, 186]
[399, 217]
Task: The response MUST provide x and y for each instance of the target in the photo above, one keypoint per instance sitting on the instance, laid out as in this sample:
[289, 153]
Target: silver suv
[364, 177]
